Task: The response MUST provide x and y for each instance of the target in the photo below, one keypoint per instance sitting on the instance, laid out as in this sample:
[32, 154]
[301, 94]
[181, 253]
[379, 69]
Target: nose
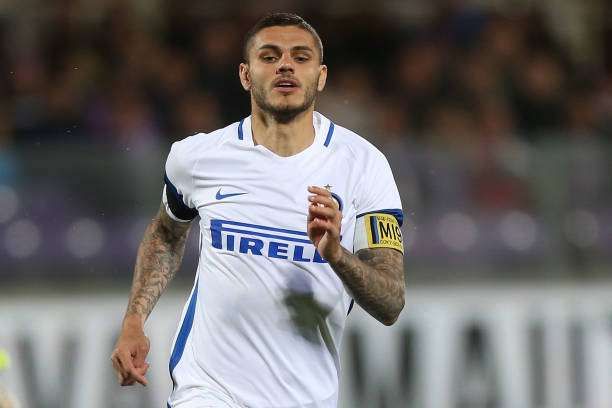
[285, 65]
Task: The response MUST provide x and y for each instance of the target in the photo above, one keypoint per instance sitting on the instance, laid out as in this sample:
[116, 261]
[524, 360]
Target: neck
[284, 139]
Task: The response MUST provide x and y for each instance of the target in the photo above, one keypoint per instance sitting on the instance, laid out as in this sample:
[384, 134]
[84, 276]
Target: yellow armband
[378, 230]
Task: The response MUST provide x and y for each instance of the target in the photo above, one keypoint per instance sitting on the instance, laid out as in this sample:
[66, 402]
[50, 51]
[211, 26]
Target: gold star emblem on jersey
[328, 187]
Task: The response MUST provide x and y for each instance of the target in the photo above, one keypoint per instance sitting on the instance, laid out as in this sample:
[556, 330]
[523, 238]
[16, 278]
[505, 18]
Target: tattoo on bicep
[159, 258]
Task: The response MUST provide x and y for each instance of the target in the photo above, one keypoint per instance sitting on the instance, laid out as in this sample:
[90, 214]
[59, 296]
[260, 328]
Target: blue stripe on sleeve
[396, 212]
[176, 203]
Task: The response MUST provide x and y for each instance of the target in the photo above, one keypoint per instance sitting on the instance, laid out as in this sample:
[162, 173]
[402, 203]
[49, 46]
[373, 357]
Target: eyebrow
[278, 49]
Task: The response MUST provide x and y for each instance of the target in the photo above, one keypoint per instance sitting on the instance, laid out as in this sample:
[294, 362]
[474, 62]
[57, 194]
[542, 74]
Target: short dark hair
[281, 20]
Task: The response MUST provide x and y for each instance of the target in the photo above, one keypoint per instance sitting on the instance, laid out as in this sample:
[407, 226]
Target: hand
[324, 220]
[129, 356]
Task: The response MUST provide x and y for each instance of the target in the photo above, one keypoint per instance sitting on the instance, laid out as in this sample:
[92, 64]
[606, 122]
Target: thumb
[143, 370]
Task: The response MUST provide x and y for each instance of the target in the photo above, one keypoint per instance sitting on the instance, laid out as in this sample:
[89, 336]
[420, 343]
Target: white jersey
[264, 322]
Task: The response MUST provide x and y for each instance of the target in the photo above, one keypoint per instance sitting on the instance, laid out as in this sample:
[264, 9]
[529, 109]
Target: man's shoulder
[355, 144]
[199, 141]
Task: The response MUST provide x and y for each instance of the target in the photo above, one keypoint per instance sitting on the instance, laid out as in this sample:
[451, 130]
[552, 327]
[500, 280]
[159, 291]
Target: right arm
[159, 257]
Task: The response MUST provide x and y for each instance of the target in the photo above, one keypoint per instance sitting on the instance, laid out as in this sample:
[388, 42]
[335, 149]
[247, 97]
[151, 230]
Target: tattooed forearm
[375, 277]
[159, 257]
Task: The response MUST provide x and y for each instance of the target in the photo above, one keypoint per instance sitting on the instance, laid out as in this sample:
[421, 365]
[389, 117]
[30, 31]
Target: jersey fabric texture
[263, 324]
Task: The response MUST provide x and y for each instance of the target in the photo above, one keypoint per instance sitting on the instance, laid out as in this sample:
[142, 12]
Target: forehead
[284, 37]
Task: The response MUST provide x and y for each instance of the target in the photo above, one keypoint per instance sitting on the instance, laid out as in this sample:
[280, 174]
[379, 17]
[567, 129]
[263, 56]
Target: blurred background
[496, 117]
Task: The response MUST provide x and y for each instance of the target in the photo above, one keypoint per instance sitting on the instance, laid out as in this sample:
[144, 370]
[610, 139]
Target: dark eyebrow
[302, 48]
[278, 49]
[270, 47]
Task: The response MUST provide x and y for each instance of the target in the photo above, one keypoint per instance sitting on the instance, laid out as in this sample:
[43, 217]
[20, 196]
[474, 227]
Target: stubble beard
[286, 113]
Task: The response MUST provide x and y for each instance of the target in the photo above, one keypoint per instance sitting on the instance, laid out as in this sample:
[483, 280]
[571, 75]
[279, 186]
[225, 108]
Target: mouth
[285, 85]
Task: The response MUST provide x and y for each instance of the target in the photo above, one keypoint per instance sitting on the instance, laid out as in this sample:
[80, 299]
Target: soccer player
[298, 217]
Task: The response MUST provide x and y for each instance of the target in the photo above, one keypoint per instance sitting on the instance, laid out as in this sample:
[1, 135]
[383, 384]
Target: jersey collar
[324, 130]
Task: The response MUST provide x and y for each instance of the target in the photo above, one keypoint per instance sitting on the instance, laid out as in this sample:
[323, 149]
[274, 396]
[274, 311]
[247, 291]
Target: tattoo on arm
[375, 278]
[159, 257]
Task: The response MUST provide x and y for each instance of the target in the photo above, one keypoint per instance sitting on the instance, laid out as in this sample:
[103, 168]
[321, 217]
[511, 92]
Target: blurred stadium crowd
[466, 102]
[468, 76]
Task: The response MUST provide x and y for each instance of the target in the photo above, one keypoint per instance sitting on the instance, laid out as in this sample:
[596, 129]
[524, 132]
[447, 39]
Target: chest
[270, 198]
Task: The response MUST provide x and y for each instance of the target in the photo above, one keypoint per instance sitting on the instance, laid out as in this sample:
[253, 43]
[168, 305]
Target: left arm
[375, 277]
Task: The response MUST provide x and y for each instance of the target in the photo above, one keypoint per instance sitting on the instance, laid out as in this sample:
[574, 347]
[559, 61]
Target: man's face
[284, 72]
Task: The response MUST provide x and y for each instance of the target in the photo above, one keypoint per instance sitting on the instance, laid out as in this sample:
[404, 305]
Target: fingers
[323, 197]
[324, 225]
[323, 207]
[324, 215]
[140, 367]
[319, 190]
[139, 377]
[141, 352]
[136, 375]
[327, 201]
[118, 368]
[131, 380]
[325, 212]
[127, 373]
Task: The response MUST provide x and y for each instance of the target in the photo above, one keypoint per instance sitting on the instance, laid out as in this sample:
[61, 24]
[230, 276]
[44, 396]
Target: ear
[245, 76]
[322, 77]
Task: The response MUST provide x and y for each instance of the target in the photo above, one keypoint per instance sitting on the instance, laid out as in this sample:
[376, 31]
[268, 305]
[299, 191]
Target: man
[297, 216]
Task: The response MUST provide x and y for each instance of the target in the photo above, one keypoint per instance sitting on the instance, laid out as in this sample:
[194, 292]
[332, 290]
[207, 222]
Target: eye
[302, 58]
[268, 58]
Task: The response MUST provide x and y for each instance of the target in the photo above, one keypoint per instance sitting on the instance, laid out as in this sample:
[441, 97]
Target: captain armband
[378, 230]
[175, 207]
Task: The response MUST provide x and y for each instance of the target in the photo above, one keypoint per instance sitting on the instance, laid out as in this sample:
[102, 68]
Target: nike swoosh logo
[220, 196]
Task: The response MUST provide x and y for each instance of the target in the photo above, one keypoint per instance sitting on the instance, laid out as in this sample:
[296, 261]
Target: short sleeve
[178, 186]
[378, 192]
